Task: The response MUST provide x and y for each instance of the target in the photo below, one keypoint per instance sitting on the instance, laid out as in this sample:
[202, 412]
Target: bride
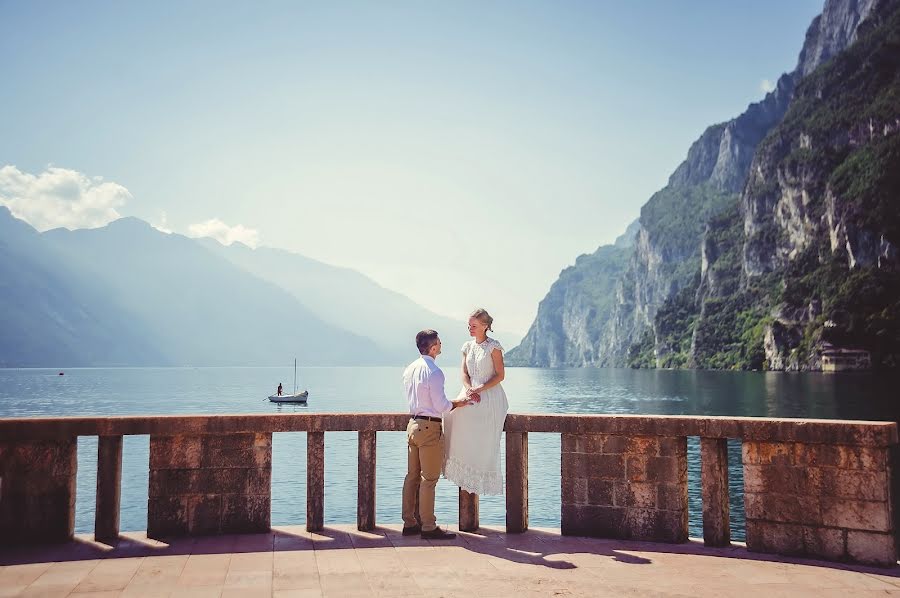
[472, 436]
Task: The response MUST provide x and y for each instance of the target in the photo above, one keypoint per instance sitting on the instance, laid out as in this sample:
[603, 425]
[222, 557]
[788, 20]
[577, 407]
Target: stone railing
[819, 488]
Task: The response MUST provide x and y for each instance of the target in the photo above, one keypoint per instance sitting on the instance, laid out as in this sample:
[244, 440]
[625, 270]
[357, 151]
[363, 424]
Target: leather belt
[428, 417]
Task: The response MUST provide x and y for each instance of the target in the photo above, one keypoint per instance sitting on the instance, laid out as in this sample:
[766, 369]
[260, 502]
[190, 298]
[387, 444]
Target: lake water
[128, 391]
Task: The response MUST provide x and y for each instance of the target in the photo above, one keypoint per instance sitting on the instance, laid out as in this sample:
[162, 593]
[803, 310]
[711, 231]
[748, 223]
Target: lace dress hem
[483, 483]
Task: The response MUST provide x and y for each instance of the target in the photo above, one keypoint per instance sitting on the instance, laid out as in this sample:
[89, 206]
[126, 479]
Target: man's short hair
[425, 340]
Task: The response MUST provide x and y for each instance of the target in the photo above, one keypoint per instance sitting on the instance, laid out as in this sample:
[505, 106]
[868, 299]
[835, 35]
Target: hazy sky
[462, 153]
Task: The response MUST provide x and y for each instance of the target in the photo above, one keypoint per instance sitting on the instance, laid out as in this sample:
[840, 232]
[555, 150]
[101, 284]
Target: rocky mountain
[679, 284]
[202, 309]
[51, 315]
[577, 308]
[818, 225]
[127, 294]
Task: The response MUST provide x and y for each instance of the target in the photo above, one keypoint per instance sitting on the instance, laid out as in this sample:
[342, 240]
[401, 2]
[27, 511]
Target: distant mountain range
[128, 294]
[776, 238]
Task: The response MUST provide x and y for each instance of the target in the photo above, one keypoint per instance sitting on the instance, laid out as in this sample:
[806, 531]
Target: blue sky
[461, 153]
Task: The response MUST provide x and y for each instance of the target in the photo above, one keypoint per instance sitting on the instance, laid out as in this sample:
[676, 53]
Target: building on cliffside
[839, 359]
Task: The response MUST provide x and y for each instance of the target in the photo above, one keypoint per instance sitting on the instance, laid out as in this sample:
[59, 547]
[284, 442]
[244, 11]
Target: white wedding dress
[472, 433]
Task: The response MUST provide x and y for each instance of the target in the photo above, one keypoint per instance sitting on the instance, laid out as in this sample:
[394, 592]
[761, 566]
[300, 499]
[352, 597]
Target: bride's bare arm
[466, 379]
[499, 371]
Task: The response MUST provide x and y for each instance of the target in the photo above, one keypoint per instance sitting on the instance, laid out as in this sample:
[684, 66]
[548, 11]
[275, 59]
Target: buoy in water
[62, 374]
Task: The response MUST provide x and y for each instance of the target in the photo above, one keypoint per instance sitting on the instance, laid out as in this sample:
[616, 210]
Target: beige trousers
[425, 456]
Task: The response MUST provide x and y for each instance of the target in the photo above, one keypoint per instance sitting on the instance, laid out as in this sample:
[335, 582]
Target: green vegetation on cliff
[582, 299]
[839, 148]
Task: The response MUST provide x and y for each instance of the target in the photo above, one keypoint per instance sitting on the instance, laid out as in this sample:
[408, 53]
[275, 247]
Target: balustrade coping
[821, 431]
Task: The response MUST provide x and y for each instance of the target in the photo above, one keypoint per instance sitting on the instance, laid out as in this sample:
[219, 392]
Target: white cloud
[224, 234]
[766, 86]
[162, 225]
[60, 197]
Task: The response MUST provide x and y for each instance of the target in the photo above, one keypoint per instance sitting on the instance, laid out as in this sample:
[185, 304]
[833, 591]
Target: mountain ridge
[129, 294]
[671, 255]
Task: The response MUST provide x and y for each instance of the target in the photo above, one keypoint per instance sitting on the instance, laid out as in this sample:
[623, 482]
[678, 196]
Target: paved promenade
[290, 562]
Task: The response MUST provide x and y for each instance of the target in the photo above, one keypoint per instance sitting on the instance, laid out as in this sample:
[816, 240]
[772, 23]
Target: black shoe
[438, 534]
[412, 530]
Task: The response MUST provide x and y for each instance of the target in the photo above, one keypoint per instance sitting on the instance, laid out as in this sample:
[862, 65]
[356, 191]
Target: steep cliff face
[831, 32]
[782, 201]
[820, 214]
[665, 261]
[574, 312]
[722, 155]
[666, 271]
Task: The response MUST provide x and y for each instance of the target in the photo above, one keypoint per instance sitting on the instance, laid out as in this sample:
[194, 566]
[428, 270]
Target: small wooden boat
[297, 397]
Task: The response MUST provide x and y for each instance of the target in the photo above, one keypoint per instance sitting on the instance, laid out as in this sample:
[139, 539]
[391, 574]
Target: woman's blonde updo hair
[483, 316]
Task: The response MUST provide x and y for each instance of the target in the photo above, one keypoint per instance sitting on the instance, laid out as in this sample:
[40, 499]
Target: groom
[424, 382]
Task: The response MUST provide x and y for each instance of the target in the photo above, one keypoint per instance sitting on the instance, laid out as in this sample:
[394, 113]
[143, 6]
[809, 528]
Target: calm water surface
[127, 391]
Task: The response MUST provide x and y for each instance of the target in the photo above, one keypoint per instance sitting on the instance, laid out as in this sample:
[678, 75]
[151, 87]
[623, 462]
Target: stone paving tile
[253, 542]
[251, 561]
[311, 593]
[213, 545]
[394, 585]
[825, 578]
[156, 577]
[374, 539]
[48, 591]
[72, 551]
[247, 580]
[197, 592]
[204, 570]
[249, 572]
[297, 581]
[162, 590]
[337, 562]
[159, 569]
[339, 585]
[292, 538]
[21, 575]
[246, 593]
[110, 574]
[295, 571]
[290, 559]
[137, 544]
[441, 579]
[330, 539]
[59, 579]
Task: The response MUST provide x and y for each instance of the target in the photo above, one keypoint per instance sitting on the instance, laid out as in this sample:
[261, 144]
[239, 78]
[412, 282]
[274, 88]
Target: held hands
[471, 397]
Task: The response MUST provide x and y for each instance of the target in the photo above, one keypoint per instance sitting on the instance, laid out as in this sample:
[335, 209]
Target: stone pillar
[516, 482]
[365, 498]
[714, 490]
[109, 487]
[37, 491]
[825, 501]
[209, 484]
[315, 481]
[627, 487]
[468, 511]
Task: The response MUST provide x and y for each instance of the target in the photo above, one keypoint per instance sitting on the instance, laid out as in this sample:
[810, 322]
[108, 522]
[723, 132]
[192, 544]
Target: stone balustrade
[818, 488]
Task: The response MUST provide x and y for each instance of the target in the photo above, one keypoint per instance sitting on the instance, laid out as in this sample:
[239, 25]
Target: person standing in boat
[279, 389]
